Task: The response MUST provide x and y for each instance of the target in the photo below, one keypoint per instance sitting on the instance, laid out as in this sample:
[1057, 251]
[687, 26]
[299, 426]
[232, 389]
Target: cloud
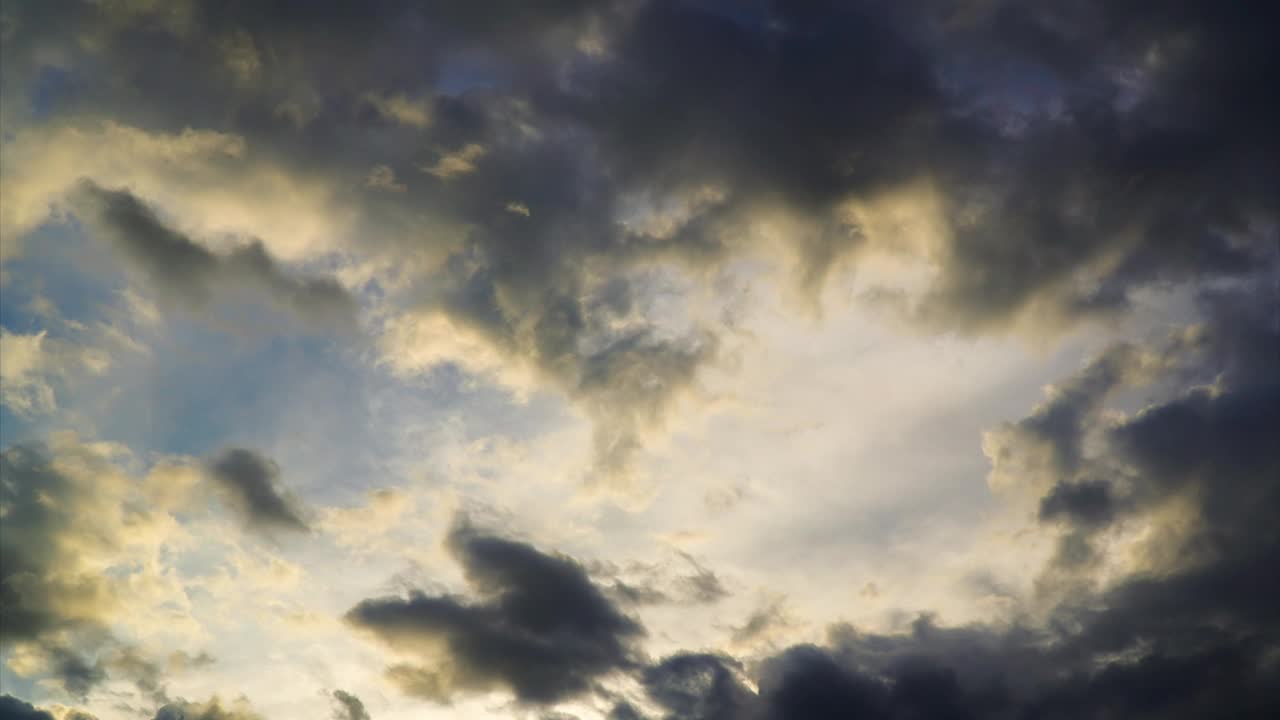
[401, 109]
[459, 162]
[701, 687]
[251, 484]
[1057, 189]
[69, 512]
[537, 627]
[348, 707]
[49, 516]
[188, 272]
[1083, 503]
[383, 177]
[213, 709]
[1177, 625]
[703, 586]
[590, 171]
[12, 707]
[22, 364]
[762, 625]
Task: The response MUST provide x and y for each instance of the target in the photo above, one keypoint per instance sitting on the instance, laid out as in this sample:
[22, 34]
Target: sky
[639, 360]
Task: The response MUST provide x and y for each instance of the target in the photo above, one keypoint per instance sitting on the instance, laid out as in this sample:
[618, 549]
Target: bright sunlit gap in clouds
[639, 360]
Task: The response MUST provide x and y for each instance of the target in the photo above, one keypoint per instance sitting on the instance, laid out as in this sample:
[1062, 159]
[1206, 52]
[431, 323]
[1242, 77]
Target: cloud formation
[1052, 176]
[186, 271]
[1185, 629]
[251, 484]
[587, 201]
[348, 707]
[49, 515]
[537, 627]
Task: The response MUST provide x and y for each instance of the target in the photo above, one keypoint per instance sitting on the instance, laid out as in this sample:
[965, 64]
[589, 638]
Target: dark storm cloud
[537, 627]
[185, 270]
[251, 482]
[348, 707]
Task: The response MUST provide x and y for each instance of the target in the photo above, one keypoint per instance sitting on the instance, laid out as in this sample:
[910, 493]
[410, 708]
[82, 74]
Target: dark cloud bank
[1082, 152]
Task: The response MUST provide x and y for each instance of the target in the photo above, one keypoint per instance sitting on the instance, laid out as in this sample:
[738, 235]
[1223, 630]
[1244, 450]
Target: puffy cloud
[538, 627]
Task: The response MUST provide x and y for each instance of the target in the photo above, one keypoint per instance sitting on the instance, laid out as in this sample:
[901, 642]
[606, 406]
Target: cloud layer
[517, 261]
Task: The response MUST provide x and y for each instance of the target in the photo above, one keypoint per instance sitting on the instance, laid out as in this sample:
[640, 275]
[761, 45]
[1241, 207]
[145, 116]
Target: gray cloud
[348, 707]
[1087, 503]
[703, 586]
[251, 483]
[186, 271]
[701, 687]
[13, 708]
[1080, 154]
[538, 627]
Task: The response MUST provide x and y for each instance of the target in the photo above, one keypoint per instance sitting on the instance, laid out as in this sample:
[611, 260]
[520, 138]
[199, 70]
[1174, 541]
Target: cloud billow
[537, 627]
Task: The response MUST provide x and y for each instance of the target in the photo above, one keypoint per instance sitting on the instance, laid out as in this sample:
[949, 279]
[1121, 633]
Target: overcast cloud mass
[639, 360]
